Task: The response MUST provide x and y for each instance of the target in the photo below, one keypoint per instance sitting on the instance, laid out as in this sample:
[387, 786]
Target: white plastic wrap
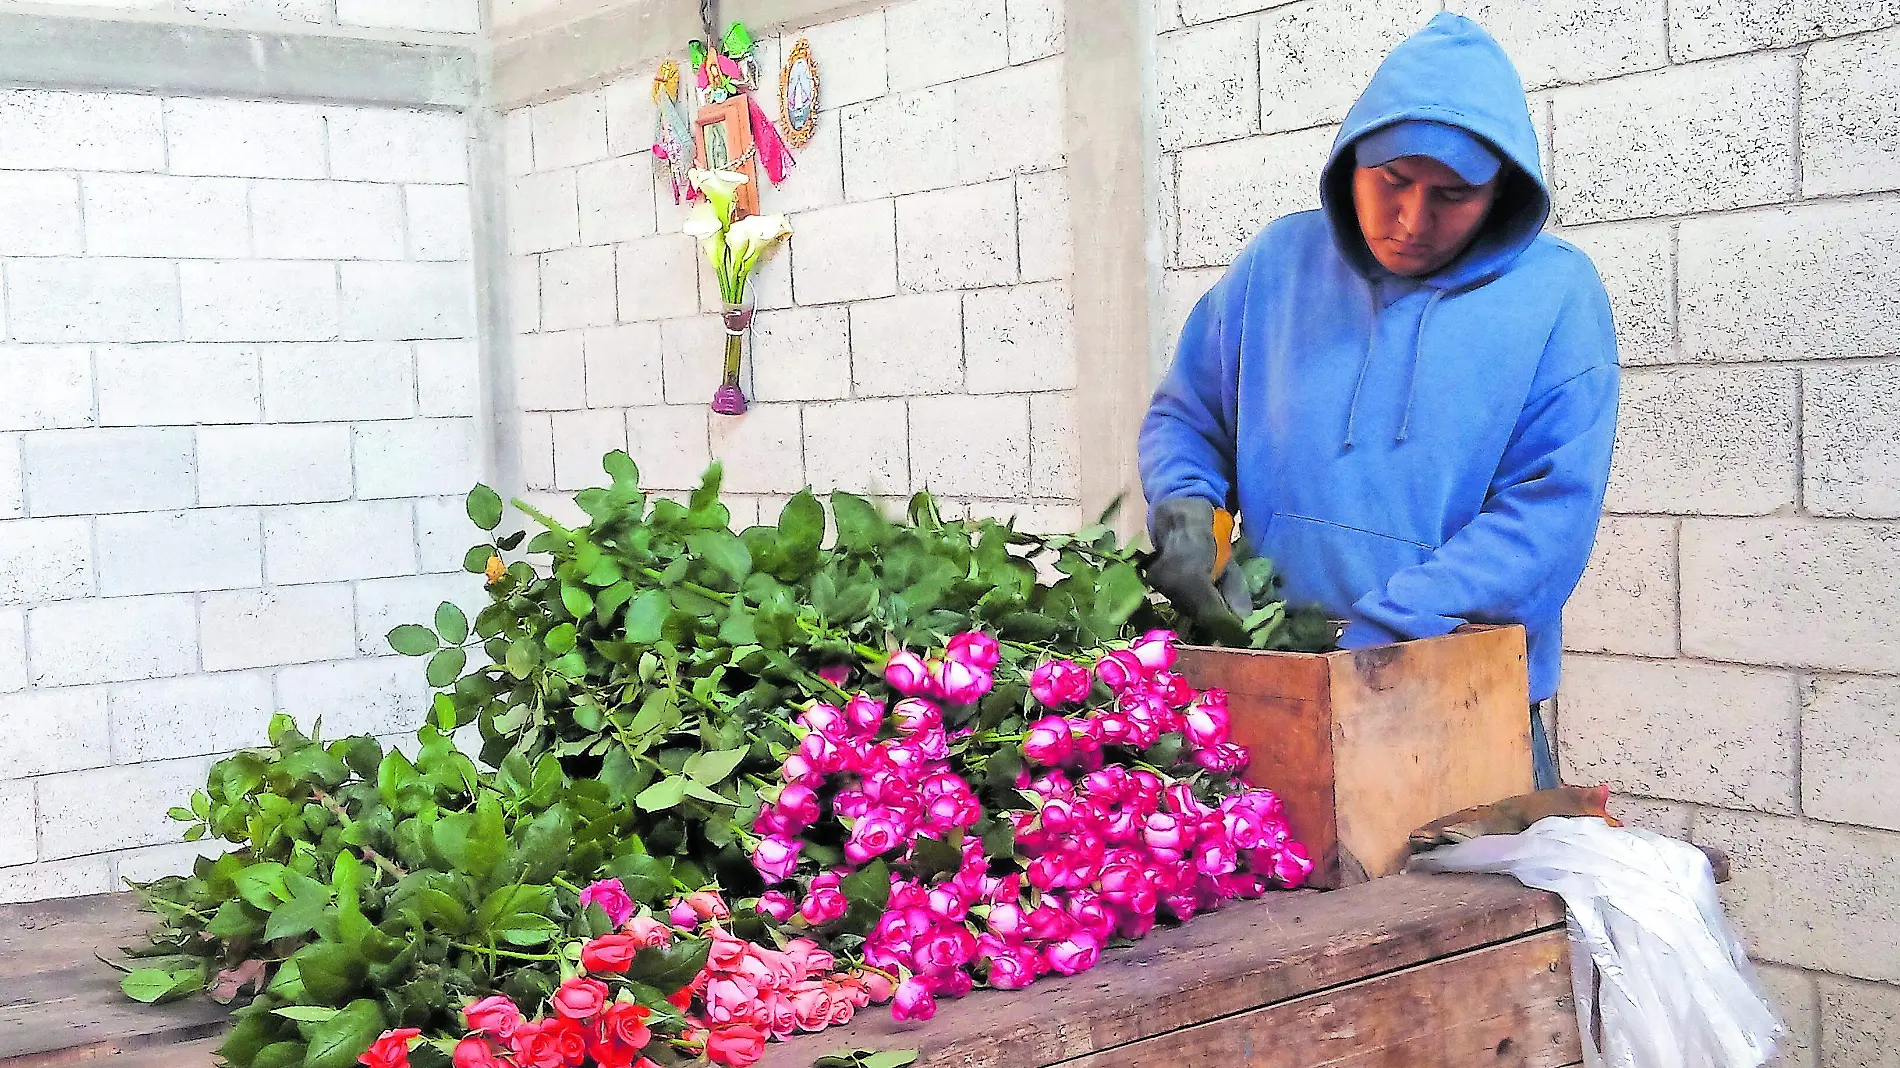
[1676, 989]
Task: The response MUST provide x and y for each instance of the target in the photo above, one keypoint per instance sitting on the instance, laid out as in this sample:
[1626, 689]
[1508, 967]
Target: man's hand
[1188, 555]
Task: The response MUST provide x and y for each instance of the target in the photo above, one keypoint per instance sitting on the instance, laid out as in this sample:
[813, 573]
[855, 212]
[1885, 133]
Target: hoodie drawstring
[1365, 361]
[1418, 354]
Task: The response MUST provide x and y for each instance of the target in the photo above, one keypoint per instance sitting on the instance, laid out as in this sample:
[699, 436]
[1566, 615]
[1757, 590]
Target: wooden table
[1414, 971]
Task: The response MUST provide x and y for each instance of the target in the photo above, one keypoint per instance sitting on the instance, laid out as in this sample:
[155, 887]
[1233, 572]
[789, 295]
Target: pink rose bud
[798, 769]
[1207, 725]
[1175, 690]
[907, 674]
[1120, 671]
[962, 684]
[708, 905]
[913, 1002]
[835, 674]
[1049, 741]
[1074, 954]
[651, 932]
[776, 859]
[777, 905]
[951, 984]
[866, 713]
[1008, 921]
[1165, 831]
[1156, 650]
[915, 714]
[828, 720]
[976, 649]
[612, 899]
[1046, 923]
[873, 836]
[1292, 866]
[496, 1016]
[824, 905]
[1014, 968]
[1224, 759]
[799, 804]
[1059, 682]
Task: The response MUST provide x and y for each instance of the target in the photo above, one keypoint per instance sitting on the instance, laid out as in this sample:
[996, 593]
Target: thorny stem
[388, 867]
[496, 951]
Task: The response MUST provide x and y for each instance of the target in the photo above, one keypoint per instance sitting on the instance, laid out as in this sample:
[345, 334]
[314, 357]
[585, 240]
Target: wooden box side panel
[1281, 713]
[1506, 1005]
[1423, 729]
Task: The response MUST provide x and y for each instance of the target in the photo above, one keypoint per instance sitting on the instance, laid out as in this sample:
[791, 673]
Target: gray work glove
[1183, 566]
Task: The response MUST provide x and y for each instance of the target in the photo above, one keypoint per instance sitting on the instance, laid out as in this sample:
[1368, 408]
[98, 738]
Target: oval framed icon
[798, 95]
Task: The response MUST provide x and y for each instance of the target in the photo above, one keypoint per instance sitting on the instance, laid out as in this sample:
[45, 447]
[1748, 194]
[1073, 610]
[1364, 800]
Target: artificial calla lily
[718, 187]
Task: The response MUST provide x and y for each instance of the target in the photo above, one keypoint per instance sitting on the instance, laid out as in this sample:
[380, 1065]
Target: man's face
[1416, 213]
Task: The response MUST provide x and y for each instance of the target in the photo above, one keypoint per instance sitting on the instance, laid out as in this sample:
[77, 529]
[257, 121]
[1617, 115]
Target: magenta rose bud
[777, 905]
[1074, 954]
[823, 905]
[1175, 690]
[798, 805]
[873, 836]
[913, 1002]
[1059, 682]
[683, 916]
[1207, 725]
[976, 649]
[866, 714]
[1049, 741]
[915, 714]
[907, 674]
[1292, 866]
[835, 674]
[1166, 831]
[1120, 671]
[1046, 923]
[1225, 758]
[776, 859]
[962, 684]
[1013, 968]
[612, 899]
[828, 720]
[1156, 650]
[1008, 921]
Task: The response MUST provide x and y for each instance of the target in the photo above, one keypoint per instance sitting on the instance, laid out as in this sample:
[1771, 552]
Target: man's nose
[1414, 217]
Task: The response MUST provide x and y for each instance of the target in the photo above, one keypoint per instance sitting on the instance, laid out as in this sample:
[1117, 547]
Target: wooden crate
[1365, 746]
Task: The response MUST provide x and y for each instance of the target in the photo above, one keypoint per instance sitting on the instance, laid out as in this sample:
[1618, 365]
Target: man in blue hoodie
[1409, 396]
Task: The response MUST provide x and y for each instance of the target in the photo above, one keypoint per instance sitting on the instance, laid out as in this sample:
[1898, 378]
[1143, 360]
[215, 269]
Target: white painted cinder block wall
[1734, 169]
[916, 333]
[431, 16]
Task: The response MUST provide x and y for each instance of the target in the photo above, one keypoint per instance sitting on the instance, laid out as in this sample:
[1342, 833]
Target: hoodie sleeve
[1520, 558]
[1187, 437]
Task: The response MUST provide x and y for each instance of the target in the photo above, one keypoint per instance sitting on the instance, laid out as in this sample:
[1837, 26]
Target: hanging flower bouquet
[736, 248]
[744, 786]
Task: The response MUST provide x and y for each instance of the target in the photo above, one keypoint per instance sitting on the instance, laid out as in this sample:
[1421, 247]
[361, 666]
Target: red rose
[391, 1050]
[625, 1023]
[475, 1052]
[736, 1045]
[580, 998]
[610, 953]
[552, 1043]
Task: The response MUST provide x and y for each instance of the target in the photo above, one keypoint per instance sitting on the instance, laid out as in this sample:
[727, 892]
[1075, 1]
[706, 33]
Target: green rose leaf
[451, 623]
[646, 616]
[484, 507]
[155, 986]
[307, 1013]
[711, 769]
[446, 666]
[669, 968]
[338, 1041]
[411, 639]
[662, 795]
[577, 601]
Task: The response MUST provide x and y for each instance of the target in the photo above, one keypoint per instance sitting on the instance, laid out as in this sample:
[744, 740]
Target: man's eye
[1393, 180]
[1454, 196]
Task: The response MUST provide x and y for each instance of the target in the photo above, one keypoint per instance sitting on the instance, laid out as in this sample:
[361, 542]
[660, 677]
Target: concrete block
[19, 825]
[1010, 122]
[92, 472]
[763, 450]
[616, 199]
[544, 212]
[338, 542]
[1790, 993]
[657, 278]
[12, 652]
[43, 732]
[1811, 895]
[439, 16]
[1684, 732]
[244, 138]
[407, 301]
[386, 695]
[1019, 339]
[1662, 817]
[1626, 602]
[569, 131]
[1637, 263]
[1031, 517]
[161, 215]
[12, 482]
[194, 716]
[1564, 44]
[550, 371]
[535, 441]
[908, 346]
[524, 293]
[92, 300]
[273, 464]
[124, 639]
[43, 219]
[1180, 292]
[1677, 141]
[1035, 29]
[859, 446]
[818, 180]
[670, 445]
[149, 863]
[1316, 57]
[903, 143]
[397, 145]
[1850, 754]
[580, 440]
[1207, 82]
[1193, 12]
[623, 366]
[958, 238]
[1045, 241]
[1055, 446]
[918, 34]
[802, 354]
[253, 300]
[865, 76]
[630, 113]
[845, 253]
[517, 142]
[1803, 593]
[1850, 115]
[61, 878]
[177, 385]
[44, 560]
[115, 808]
[338, 381]
[1860, 1022]
[1851, 441]
[1818, 266]
[1228, 193]
[692, 354]
[577, 288]
[438, 222]
[448, 378]
[970, 445]
[178, 552]
[1706, 441]
[1699, 29]
[386, 457]
[45, 386]
[382, 605]
[42, 130]
[294, 11]
[443, 534]
[285, 625]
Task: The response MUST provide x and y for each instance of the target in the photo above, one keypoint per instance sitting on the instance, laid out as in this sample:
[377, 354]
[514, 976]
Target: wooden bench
[1416, 971]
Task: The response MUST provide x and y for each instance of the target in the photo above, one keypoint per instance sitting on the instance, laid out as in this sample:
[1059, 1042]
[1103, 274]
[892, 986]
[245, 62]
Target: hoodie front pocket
[1332, 566]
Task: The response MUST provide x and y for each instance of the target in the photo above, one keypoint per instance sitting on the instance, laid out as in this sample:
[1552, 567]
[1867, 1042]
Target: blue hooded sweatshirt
[1413, 454]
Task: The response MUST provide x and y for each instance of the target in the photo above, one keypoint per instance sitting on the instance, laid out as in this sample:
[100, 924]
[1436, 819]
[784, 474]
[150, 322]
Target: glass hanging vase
[730, 398]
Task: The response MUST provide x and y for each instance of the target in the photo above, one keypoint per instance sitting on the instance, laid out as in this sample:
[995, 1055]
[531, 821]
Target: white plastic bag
[1676, 988]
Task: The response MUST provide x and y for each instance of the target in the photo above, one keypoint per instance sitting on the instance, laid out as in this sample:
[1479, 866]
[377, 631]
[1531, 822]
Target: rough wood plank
[1506, 1005]
[39, 935]
[202, 1053]
[1239, 959]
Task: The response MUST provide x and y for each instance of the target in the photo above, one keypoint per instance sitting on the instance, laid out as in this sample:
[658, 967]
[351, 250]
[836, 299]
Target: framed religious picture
[722, 141]
[798, 95]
